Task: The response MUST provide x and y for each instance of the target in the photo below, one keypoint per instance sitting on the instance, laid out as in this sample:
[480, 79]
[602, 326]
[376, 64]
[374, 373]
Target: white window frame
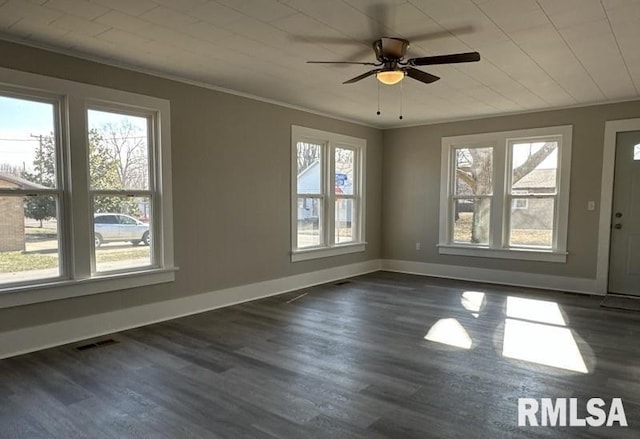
[153, 192]
[78, 277]
[498, 246]
[329, 142]
[524, 206]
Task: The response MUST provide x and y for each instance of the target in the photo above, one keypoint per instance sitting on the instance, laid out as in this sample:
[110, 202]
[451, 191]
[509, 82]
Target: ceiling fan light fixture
[390, 77]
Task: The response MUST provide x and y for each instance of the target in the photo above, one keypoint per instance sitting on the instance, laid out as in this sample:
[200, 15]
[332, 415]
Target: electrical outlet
[418, 246]
[591, 205]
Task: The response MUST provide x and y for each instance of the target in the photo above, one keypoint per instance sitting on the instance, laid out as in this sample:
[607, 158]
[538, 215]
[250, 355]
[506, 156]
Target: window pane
[309, 168]
[309, 222]
[27, 143]
[344, 171]
[118, 151]
[474, 171]
[29, 246]
[345, 220]
[122, 232]
[533, 225]
[471, 220]
[534, 168]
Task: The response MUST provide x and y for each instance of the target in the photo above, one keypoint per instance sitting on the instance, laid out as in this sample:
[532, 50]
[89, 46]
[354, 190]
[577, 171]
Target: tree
[104, 169]
[127, 145]
[104, 175]
[9, 169]
[308, 154]
[474, 171]
[44, 174]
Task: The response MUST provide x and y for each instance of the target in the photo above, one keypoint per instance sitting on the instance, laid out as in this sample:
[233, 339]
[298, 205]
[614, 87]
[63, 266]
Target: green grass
[113, 256]
[40, 231]
[13, 262]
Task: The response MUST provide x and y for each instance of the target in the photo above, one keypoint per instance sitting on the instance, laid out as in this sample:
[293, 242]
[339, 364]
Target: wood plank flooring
[343, 361]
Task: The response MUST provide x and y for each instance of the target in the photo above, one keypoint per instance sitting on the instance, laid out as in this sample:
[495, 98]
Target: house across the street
[12, 237]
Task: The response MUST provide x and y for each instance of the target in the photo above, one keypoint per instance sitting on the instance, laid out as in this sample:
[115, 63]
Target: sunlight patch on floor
[473, 301]
[536, 331]
[449, 332]
[540, 311]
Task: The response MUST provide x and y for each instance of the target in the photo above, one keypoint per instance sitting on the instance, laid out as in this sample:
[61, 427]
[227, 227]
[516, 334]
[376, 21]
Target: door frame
[611, 130]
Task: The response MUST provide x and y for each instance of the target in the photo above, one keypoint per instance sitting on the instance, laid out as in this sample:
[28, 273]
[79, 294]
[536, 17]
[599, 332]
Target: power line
[22, 140]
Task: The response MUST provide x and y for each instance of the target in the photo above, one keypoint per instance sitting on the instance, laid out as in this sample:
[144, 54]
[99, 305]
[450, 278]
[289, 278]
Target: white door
[624, 259]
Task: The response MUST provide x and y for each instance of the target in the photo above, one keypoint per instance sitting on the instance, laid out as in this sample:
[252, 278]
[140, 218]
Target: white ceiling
[535, 53]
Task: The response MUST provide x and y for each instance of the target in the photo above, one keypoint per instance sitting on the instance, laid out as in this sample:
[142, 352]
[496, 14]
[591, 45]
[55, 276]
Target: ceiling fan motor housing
[390, 49]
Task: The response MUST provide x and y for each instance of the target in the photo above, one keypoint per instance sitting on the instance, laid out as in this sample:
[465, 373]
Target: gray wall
[232, 231]
[231, 187]
[411, 191]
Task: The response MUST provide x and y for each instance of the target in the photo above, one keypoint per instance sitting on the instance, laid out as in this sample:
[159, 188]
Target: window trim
[498, 246]
[152, 192]
[61, 191]
[329, 141]
[76, 232]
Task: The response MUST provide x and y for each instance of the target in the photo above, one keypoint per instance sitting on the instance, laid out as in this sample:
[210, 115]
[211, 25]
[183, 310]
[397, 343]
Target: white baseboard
[502, 277]
[35, 338]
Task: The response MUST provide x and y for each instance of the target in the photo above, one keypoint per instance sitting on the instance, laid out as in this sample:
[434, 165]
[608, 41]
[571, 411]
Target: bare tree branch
[467, 178]
[533, 161]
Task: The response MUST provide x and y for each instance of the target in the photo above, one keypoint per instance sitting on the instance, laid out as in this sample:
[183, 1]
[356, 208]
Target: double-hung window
[506, 194]
[33, 195]
[327, 194]
[122, 185]
[85, 189]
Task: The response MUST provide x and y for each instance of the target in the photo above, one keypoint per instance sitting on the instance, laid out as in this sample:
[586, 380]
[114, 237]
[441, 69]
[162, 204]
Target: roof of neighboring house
[538, 178]
[308, 168]
[20, 182]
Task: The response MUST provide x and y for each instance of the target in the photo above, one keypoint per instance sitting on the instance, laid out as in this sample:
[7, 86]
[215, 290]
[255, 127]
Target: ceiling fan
[392, 67]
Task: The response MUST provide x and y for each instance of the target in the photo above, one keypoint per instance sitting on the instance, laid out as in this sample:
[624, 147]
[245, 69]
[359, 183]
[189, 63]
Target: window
[636, 152]
[472, 194]
[533, 181]
[67, 231]
[520, 204]
[31, 194]
[327, 194]
[121, 181]
[506, 194]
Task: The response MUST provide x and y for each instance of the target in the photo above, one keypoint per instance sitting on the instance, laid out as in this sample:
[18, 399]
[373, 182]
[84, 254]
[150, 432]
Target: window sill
[325, 252]
[524, 254]
[64, 289]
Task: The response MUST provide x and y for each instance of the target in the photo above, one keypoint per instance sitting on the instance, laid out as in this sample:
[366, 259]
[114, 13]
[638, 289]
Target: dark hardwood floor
[343, 361]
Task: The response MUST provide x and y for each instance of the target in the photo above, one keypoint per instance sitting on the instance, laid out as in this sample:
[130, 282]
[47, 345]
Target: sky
[521, 153]
[19, 119]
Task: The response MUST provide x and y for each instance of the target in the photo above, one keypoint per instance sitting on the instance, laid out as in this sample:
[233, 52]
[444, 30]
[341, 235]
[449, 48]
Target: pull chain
[401, 99]
[378, 113]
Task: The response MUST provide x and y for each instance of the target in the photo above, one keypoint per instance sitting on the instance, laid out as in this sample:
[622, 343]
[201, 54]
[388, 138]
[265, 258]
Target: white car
[114, 227]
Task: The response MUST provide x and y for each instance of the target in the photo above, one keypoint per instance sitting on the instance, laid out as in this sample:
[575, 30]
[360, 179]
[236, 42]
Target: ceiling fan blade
[421, 76]
[362, 53]
[445, 59]
[364, 75]
[460, 30]
[344, 62]
[380, 14]
[323, 40]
